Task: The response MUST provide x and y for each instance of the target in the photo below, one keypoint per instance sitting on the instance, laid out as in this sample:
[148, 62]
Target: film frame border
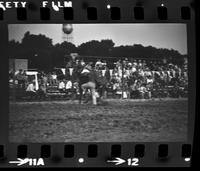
[56, 159]
[106, 11]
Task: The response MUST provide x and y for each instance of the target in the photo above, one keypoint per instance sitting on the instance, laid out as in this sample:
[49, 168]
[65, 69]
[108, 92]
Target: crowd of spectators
[127, 79]
[147, 80]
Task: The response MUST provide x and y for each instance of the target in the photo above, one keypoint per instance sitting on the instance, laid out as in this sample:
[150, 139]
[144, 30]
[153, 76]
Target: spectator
[54, 78]
[31, 90]
[44, 82]
[68, 85]
[61, 86]
[21, 78]
[41, 93]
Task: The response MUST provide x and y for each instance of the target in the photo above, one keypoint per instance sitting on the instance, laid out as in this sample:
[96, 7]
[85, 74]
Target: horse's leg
[87, 97]
[105, 92]
[101, 93]
[80, 94]
[99, 89]
[94, 98]
[82, 88]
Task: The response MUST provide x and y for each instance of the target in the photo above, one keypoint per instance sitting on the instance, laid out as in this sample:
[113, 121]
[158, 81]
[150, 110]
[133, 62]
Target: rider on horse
[91, 84]
[88, 78]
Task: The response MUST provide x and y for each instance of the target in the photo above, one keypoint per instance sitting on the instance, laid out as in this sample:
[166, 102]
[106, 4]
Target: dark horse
[90, 80]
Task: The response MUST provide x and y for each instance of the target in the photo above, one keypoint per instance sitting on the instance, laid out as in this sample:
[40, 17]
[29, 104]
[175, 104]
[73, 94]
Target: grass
[113, 121]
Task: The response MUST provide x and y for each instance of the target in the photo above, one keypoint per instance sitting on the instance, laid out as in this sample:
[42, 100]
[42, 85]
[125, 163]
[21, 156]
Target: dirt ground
[113, 121]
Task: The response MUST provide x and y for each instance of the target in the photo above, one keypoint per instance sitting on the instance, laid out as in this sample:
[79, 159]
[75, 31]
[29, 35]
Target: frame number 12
[133, 161]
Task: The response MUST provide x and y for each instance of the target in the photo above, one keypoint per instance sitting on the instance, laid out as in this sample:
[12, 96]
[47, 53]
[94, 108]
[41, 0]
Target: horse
[89, 80]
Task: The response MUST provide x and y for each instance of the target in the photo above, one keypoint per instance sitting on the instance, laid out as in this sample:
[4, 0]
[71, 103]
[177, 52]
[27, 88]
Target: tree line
[42, 54]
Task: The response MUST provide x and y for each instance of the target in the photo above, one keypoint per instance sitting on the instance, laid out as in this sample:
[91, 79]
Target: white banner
[174, 73]
[111, 72]
[63, 70]
[125, 96]
[71, 71]
[103, 72]
[120, 72]
[128, 72]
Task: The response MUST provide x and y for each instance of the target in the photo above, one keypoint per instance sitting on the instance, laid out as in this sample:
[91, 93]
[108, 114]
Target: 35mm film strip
[91, 11]
[90, 83]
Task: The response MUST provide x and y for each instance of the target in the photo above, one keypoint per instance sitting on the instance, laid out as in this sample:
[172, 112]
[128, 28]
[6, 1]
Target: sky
[170, 36]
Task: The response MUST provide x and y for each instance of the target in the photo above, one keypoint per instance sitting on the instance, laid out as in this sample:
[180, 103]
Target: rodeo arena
[132, 101]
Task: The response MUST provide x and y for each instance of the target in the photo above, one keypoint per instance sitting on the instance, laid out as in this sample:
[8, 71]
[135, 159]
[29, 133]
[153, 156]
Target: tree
[38, 49]
[36, 41]
[60, 51]
[44, 55]
[96, 48]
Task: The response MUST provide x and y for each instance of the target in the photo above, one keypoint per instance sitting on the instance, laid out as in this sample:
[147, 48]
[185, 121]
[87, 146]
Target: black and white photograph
[98, 82]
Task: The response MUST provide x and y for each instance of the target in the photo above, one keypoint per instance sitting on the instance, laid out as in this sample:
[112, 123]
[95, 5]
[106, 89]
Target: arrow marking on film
[20, 161]
[117, 161]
